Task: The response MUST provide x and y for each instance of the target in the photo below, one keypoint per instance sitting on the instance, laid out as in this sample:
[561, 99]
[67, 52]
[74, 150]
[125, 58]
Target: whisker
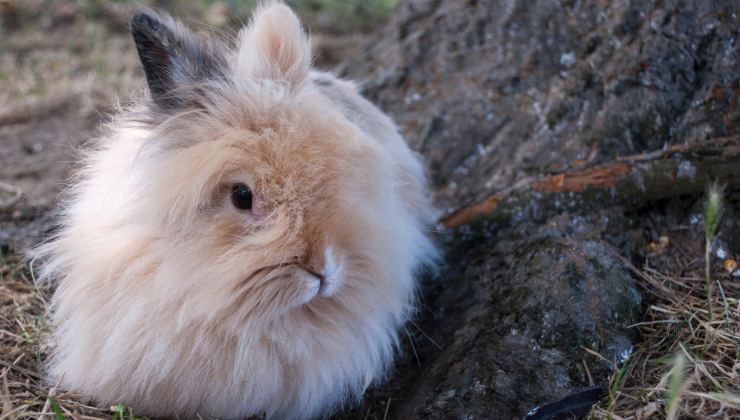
[425, 334]
[259, 271]
[413, 348]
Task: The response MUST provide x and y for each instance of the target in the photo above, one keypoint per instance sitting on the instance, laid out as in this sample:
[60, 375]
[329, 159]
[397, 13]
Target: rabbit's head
[243, 240]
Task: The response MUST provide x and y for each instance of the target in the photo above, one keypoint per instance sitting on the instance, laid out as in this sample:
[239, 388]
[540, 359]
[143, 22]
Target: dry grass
[52, 55]
[688, 364]
[24, 344]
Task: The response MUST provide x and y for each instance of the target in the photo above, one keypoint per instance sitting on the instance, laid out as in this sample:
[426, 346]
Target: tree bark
[557, 135]
[632, 181]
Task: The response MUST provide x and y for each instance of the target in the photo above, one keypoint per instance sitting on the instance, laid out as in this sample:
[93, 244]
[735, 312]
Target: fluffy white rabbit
[242, 241]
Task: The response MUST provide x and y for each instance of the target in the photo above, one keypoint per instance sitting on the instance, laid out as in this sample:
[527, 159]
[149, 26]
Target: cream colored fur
[173, 302]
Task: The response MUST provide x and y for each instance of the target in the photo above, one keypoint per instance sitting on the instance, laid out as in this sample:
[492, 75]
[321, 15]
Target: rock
[23, 226]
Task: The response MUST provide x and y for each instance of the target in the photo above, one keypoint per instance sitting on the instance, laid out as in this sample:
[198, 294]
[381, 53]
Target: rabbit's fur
[173, 301]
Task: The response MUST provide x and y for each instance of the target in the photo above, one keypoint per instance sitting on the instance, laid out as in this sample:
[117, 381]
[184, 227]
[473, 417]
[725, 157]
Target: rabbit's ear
[274, 46]
[172, 58]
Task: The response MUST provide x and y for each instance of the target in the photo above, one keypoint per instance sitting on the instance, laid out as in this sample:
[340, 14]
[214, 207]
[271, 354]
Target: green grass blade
[675, 382]
[58, 414]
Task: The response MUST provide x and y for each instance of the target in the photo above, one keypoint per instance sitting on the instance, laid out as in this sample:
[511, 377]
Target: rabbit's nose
[323, 264]
[314, 273]
[331, 270]
[313, 261]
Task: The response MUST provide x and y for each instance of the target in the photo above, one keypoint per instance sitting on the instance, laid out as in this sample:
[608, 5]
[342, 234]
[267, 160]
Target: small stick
[47, 404]
[588, 373]
[30, 374]
[17, 194]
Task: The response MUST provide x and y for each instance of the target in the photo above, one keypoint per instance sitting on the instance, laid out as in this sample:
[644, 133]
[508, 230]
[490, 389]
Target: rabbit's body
[180, 291]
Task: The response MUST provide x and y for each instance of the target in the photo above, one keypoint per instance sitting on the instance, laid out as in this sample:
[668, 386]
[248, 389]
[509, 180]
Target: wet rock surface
[494, 93]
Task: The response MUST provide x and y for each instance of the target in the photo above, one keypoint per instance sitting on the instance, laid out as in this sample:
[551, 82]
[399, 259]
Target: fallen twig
[17, 195]
[630, 180]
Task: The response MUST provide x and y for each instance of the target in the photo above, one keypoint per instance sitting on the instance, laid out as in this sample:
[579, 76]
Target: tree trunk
[557, 135]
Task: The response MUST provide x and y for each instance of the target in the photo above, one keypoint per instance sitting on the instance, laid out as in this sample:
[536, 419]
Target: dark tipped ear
[172, 58]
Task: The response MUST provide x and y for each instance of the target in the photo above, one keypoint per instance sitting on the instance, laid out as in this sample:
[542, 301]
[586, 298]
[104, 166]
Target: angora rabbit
[243, 241]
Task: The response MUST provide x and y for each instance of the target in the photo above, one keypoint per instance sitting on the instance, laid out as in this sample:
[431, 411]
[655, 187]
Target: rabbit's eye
[241, 196]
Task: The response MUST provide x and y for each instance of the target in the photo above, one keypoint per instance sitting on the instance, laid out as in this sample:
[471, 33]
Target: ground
[571, 172]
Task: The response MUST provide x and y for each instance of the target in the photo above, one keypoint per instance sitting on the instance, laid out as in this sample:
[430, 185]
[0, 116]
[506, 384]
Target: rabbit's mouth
[321, 276]
[322, 281]
[309, 283]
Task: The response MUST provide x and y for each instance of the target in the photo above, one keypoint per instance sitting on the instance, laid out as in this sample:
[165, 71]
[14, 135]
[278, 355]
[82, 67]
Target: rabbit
[244, 239]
